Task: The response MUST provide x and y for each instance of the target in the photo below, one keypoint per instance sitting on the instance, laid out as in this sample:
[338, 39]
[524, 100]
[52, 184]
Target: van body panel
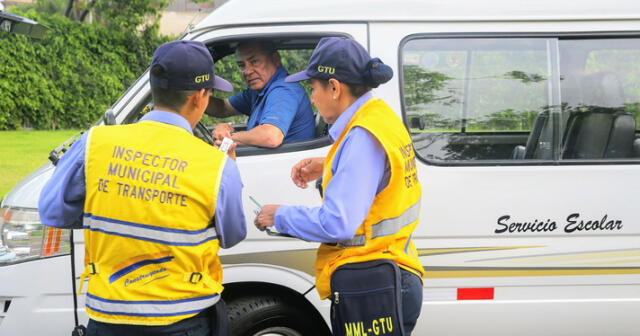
[543, 248]
[26, 193]
[251, 12]
[37, 291]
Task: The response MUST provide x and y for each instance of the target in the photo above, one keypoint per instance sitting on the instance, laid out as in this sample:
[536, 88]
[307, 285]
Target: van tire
[269, 315]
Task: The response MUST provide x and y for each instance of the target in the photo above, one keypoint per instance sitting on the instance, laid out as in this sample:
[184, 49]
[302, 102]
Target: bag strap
[78, 330]
[73, 278]
[219, 322]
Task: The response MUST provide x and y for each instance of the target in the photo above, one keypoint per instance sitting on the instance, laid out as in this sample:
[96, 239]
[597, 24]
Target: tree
[119, 14]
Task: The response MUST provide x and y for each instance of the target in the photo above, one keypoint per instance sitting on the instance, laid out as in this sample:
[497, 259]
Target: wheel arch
[295, 287]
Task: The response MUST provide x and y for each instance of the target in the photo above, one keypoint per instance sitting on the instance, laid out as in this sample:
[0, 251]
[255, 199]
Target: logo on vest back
[148, 277]
[326, 69]
[202, 78]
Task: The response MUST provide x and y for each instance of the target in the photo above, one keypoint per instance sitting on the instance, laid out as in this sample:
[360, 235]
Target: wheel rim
[278, 331]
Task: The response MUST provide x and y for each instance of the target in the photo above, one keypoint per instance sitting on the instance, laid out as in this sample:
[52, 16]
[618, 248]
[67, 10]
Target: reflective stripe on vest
[386, 227]
[151, 308]
[150, 233]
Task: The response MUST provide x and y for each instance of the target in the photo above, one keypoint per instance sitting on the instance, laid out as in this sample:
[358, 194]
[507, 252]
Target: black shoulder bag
[367, 298]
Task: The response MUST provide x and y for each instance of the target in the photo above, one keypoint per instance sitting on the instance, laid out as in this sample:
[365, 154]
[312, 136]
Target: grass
[21, 152]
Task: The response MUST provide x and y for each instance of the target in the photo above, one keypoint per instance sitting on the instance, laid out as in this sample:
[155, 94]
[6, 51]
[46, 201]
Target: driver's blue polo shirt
[281, 104]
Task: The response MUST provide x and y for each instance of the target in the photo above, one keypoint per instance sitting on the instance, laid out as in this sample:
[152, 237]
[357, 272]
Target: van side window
[522, 100]
[601, 99]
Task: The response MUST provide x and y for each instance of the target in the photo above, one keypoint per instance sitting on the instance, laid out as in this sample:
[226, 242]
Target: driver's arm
[265, 135]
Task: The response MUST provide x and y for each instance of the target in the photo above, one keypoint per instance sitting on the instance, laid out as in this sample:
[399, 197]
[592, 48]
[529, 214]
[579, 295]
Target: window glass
[601, 98]
[520, 99]
[474, 99]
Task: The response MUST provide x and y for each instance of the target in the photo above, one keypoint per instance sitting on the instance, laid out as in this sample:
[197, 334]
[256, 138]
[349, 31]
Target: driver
[279, 112]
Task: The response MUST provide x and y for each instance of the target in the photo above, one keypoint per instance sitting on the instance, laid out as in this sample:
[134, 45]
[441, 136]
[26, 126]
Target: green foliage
[525, 77]
[45, 6]
[71, 76]
[127, 15]
[424, 87]
[296, 61]
[508, 119]
[484, 97]
[421, 86]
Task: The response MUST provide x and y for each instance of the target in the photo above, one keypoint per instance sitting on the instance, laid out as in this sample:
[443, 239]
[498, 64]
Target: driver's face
[257, 67]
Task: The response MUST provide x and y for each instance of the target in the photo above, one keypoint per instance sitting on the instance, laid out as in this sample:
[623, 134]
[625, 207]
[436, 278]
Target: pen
[255, 202]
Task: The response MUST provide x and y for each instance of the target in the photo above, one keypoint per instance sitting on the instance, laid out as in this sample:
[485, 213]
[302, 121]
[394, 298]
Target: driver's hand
[221, 131]
[307, 170]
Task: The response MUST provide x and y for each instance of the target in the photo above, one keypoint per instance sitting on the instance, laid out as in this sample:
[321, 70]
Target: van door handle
[319, 186]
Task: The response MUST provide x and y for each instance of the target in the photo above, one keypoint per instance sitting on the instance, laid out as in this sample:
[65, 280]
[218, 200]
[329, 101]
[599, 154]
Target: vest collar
[345, 117]
[168, 118]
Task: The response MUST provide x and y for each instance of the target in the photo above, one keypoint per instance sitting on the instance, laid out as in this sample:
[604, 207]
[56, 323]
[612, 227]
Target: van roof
[236, 12]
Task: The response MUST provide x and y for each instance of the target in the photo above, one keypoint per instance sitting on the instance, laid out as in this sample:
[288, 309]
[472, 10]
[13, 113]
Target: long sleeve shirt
[61, 202]
[360, 171]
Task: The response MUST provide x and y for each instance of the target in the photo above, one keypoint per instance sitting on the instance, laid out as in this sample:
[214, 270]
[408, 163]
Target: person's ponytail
[377, 73]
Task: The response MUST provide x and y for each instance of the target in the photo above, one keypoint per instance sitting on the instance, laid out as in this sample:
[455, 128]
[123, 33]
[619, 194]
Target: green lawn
[21, 152]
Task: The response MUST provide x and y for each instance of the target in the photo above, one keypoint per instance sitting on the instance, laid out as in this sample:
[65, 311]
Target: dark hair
[265, 46]
[356, 90]
[376, 73]
[169, 98]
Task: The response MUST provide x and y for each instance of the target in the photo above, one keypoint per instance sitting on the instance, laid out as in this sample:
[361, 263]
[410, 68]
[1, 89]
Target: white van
[524, 119]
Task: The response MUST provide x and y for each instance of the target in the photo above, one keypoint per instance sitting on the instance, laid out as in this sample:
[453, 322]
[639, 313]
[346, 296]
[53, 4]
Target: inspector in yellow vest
[394, 214]
[151, 248]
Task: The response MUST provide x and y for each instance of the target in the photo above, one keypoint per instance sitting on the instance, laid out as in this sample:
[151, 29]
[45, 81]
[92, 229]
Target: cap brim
[222, 84]
[296, 77]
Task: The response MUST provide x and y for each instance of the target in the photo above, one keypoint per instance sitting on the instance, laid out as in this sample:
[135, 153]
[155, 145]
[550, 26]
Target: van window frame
[290, 147]
[555, 115]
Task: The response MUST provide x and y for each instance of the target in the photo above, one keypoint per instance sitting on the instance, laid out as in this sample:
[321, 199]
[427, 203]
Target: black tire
[269, 315]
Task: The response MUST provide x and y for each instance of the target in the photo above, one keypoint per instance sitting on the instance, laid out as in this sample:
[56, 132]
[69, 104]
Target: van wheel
[269, 316]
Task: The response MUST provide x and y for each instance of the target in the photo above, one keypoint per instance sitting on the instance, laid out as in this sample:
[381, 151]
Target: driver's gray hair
[265, 46]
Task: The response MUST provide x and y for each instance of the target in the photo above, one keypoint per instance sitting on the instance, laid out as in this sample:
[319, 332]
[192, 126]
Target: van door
[530, 163]
[266, 172]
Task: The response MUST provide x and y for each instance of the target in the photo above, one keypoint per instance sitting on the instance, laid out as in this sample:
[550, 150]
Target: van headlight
[25, 238]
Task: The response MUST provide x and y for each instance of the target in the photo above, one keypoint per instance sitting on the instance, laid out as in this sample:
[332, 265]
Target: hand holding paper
[266, 217]
[228, 146]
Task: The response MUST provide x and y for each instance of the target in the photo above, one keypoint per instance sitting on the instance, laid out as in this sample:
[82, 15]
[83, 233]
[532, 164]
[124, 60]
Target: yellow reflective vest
[394, 214]
[151, 249]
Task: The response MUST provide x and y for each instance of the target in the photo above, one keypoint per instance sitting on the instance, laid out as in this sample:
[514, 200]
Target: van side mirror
[417, 122]
[109, 117]
[56, 153]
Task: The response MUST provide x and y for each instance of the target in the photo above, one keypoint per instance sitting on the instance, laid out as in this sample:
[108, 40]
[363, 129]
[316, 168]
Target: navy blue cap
[345, 60]
[187, 65]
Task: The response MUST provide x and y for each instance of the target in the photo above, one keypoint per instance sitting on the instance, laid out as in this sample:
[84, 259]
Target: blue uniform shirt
[281, 104]
[61, 202]
[360, 171]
